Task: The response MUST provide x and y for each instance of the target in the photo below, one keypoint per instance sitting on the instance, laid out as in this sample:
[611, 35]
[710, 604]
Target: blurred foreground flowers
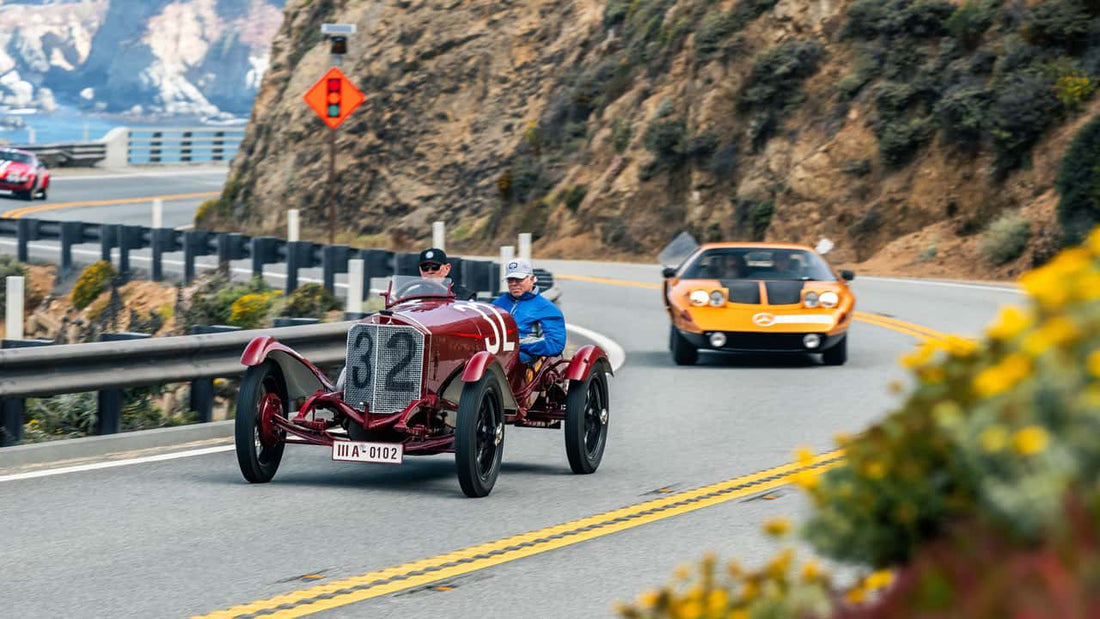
[978, 497]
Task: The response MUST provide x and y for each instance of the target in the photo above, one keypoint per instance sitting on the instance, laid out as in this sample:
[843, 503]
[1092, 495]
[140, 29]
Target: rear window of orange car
[759, 264]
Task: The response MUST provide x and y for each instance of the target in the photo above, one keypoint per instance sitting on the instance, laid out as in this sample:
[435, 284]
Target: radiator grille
[384, 367]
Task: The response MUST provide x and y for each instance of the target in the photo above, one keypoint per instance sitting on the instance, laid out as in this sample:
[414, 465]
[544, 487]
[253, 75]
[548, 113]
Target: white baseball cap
[518, 269]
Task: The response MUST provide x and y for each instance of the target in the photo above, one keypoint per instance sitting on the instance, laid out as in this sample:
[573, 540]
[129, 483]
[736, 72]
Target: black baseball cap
[433, 255]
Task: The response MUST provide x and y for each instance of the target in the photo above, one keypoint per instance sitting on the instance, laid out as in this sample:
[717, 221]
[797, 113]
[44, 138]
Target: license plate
[357, 451]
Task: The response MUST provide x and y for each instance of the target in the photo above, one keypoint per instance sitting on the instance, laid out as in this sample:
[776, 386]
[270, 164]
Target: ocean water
[70, 125]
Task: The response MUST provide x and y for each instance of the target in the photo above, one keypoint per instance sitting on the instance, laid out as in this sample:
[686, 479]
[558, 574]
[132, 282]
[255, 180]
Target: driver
[434, 265]
[541, 324]
[785, 266]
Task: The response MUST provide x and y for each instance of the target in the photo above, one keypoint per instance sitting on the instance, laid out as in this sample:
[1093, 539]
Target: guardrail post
[13, 310]
[334, 259]
[439, 235]
[192, 241]
[108, 239]
[11, 424]
[376, 263]
[295, 252]
[185, 147]
[26, 231]
[230, 247]
[129, 237]
[354, 304]
[202, 398]
[264, 250]
[154, 147]
[219, 143]
[109, 411]
[72, 232]
[507, 254]
[525, 245]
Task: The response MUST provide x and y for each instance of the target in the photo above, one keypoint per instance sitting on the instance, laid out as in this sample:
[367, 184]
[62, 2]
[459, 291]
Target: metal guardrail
[125, 146]
[107, 367]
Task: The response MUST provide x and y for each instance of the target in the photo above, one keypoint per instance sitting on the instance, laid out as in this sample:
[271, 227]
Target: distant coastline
[71, 125]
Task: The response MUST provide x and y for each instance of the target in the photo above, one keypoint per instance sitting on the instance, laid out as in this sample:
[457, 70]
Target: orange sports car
[758, 297]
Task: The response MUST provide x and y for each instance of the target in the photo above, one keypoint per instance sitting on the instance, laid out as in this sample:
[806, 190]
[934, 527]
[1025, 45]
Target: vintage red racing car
[427, 375]
[23, 174]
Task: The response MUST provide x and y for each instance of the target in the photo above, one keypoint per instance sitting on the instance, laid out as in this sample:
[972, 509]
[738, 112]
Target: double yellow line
[27, 210]
[390, 580]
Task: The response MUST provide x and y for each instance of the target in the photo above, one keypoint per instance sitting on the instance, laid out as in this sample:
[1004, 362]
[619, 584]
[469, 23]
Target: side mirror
[668, 272]
[847, 274]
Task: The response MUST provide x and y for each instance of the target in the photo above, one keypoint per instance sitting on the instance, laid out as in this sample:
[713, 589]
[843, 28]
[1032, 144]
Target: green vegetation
[310, 301]
[213, 303]
[575, 196]
[773, 88]
[1006, 239]
[1079, 184]
[74, 415]
[92, 282]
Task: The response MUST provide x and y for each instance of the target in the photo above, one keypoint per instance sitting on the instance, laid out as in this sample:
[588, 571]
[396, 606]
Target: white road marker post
[13, 312]
[158, 213]
[355, 286]
[30, 135]
[507, 254]
[292, 225]
[525, 245]
[439, 235]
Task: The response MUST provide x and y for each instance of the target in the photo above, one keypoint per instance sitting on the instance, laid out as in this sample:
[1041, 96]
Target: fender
[476, 366]
[297, 370]
[585, 360]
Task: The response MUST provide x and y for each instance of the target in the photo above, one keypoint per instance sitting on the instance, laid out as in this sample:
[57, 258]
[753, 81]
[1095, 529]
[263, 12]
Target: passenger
[540, 322]
[784, 266]
[434, 265]
[735, 267]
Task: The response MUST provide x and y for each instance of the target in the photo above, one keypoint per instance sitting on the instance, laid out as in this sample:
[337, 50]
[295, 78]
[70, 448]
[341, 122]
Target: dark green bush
[970, 21]
[1023, 110]
[898, 141]
[724, 160]
[1006, 239]
[621, 132]
[961, 115]
[667, 139]
[310, 301]
[1079, 184]
[575, 196]
[1059, 23]
[9, 267]
[868, 19]
[856, 167]
[778, 72]
[713, 32]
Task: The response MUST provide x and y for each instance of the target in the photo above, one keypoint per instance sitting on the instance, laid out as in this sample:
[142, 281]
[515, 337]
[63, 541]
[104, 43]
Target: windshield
[10, 155]
[764, 264]
[404, 287]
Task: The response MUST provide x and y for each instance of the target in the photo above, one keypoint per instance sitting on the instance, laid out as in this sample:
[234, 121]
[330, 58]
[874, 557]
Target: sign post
[333, 98]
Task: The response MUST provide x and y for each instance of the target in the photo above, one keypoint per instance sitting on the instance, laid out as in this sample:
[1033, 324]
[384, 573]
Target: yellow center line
[918, 331]
[27, 210]
[382, 582]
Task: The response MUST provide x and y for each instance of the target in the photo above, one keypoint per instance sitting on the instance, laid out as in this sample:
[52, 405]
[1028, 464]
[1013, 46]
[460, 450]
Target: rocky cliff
[143, 56]
[900, 129]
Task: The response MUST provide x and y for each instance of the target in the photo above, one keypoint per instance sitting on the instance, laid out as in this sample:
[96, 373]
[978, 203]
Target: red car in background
[429, 374]
[23, 174]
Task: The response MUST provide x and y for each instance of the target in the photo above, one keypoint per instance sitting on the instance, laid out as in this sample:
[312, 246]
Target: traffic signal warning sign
[334, 98]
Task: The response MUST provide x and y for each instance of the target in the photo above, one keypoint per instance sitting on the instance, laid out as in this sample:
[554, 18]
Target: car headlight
[717, 299]
[698, 297]
[829, 299]
[810, 300]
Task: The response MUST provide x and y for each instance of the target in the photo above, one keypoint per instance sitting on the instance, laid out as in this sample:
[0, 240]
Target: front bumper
[7, 185]
[753, 341]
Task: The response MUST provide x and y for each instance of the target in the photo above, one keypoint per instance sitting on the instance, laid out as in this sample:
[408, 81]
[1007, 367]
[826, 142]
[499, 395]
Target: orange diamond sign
[334, 97]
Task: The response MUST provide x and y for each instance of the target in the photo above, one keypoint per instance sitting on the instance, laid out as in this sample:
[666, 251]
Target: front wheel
[586, 415]
[683, 353]
[259, 443]
[479, 436]
[838, 354]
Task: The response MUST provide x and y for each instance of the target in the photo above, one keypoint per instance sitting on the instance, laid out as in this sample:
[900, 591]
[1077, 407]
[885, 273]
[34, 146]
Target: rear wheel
[479, 436]
[259, 444]
[683, 353]
[586, 415]
[25, 195]
[838, 354]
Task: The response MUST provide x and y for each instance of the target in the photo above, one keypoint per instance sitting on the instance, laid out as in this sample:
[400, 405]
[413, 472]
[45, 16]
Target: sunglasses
[430, 268]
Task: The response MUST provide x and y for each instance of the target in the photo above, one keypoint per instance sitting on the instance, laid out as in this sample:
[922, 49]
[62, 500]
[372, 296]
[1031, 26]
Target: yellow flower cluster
[1074, 89]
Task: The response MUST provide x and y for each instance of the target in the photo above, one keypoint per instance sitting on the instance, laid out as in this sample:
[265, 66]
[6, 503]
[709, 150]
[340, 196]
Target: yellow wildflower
[682, 573]
[804, 456]
[1031, 440]
[856, 595]
[717, 601]
[733, 568]
[649, 599]
[1088, 286]
[1003, 376]
[1045, 286]
[811, 571]
[1054, 332]
[993, 439]
[1093, 242]
[807, 480]
[947, 413]
[738, 614]
[875, 469]
[1011, 322]
[923, 354]
[842, 439]
[878, 580]
[751, 591]
[960, 346]
[932, 375]
[777, 527]
[1094, 363]
[688, 608]
[777, 567]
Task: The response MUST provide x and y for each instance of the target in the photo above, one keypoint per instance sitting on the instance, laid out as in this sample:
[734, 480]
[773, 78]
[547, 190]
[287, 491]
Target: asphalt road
[189, 536]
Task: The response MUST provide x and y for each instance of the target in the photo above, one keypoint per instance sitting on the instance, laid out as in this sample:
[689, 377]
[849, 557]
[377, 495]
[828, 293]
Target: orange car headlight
[811, 299]
[699, 297]
[829, 299]
[717, 299]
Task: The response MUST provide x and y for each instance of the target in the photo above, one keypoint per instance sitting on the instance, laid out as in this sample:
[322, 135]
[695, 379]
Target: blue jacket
[541, 324]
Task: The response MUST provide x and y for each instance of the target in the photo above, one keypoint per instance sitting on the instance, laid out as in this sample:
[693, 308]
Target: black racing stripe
[784, 292]
[743, 291]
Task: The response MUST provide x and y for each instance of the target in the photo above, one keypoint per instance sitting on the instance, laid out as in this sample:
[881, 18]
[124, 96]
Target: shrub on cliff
[212, 302]
[310, 301]
[1006, 239]
[1079, 183]
[92, 282]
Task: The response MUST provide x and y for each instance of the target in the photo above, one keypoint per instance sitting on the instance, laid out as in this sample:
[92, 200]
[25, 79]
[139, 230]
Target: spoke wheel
[479, 436]
[259, 442]
[586, 417]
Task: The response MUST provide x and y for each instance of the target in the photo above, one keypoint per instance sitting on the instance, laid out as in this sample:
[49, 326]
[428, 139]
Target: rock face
[607, 126]
[150, 56]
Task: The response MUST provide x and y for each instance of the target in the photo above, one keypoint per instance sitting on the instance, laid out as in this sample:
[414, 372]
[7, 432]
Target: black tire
[838, 354]
[25, 195]
[586, 416]
[683, 353]
[262, 386]
[479, 436]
